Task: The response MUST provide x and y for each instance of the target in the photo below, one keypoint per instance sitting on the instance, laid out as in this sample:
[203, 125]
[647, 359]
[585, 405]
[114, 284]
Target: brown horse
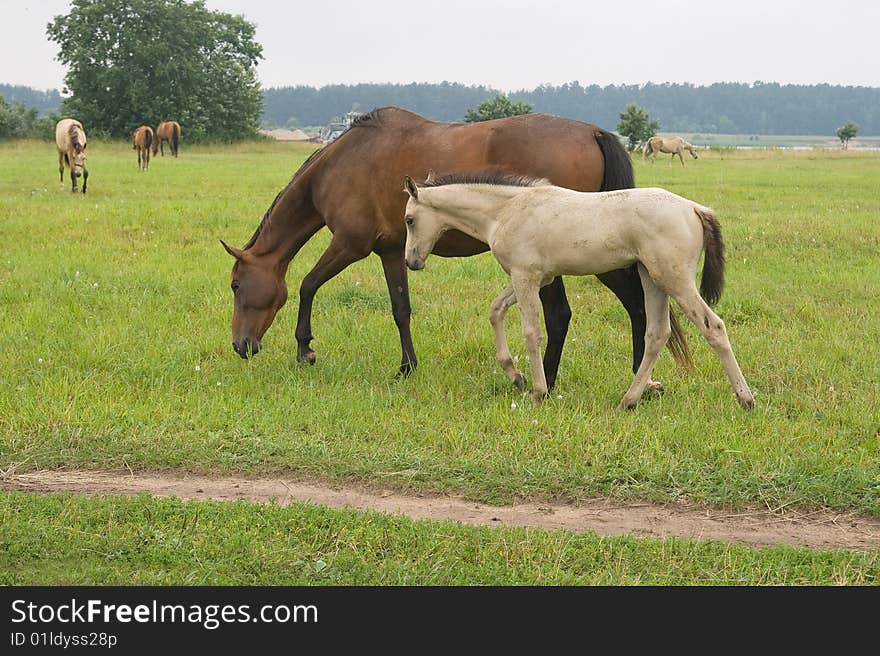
[70, 140]
[168, 131]
[141, 141]
[365, 214]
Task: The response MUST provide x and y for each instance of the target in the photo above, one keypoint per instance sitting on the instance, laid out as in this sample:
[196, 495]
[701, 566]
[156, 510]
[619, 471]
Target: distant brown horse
[674, 145]
[70, 140]
[168, 131]
[141, 141]
[352, 186]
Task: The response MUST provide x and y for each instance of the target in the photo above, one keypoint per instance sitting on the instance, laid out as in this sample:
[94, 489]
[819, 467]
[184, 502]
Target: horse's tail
[148, 139]
[713, 263]
[618, 166]
[175, 133]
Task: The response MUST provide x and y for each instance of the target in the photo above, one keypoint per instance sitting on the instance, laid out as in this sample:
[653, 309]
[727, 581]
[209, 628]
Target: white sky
[514, 44]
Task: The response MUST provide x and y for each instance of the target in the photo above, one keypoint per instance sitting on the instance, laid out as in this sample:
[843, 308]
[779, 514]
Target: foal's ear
[411, 188]
[232, 250]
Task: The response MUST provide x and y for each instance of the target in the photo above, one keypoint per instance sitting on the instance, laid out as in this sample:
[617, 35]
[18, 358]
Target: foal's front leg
[497, 312]
[527, 295]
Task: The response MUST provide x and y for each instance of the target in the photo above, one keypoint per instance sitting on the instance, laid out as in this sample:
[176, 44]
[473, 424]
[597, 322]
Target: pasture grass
[70, 540]
[115, 344]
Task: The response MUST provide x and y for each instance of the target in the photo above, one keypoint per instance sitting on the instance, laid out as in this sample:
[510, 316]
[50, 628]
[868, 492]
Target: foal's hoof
[655, 387]
[519, 382]
[747, 403]
[627, 405]
[538, 397]
[307, 355]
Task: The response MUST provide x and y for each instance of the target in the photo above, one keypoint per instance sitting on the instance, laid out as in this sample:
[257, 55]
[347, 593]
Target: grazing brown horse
[168, 131]
[70, 140]
[141, 141]
[352, 186]
[674, 145]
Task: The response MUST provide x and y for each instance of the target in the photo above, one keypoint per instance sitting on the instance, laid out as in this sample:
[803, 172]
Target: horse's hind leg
[657, 332]
[557, 315]
[394, 267]
[626, 285]
[61, 157]
[497, 312]
[336, 258]
[713, 329]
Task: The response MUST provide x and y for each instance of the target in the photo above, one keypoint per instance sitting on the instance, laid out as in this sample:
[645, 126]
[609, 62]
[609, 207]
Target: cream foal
[537, 231]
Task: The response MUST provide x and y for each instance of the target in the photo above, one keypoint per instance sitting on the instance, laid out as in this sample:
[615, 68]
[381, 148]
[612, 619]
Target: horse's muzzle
[246, 347]
[415, 263]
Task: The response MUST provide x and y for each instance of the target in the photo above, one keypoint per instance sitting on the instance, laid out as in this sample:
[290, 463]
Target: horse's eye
[235, 286]
[409, 220]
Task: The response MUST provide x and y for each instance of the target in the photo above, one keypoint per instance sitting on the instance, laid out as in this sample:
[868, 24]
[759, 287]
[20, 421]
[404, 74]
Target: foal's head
[260, 291]
[424, 225]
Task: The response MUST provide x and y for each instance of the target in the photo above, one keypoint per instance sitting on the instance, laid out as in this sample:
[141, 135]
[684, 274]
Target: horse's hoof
[538, 397]
[405, 370]
[519, 382]
[627, 405]
[307, 356]
[655, 387]
[747, 403]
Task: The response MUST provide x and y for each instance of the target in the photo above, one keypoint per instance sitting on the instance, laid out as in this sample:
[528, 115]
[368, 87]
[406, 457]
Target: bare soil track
[817, 528]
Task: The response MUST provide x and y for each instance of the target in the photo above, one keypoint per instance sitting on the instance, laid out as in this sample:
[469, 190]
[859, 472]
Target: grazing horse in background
[70, 140]
[142, 141]
[674, 145]
[538, 232]
[352, 186]
[168, 131]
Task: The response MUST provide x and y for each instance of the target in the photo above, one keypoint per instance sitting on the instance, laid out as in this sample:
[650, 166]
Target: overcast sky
[516, 44]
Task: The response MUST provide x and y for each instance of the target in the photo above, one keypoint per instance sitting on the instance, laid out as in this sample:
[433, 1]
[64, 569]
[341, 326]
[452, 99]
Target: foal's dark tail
[619, 175]
[713, 262]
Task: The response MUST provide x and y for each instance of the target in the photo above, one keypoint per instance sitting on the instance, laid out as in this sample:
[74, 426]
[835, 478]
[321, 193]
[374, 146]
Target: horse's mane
[74, 131]
[367, 120]
[489, 177]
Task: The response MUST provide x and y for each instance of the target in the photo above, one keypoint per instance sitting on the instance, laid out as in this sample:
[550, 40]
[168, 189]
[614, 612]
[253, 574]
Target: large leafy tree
[636, 125]
[498, 107]
[847, 132]
[133, 62]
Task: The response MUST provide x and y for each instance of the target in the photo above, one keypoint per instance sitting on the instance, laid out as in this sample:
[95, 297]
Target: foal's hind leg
[712, 327]
[497, 312]
[657, 333]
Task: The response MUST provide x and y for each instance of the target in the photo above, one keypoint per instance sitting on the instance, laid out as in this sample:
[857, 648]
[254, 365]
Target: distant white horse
[537, 231]
[674, 145]
[70, 141]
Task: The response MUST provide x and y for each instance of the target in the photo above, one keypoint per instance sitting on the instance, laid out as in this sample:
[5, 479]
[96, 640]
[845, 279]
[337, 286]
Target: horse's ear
[232, 250]
[431, 176]
[411, 188]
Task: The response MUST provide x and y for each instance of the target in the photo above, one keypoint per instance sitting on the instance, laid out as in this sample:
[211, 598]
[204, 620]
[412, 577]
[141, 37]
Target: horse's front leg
[526, 289]
[497, 312]
[557, 316]
[394, 266]
[85, 179]
[336, 258]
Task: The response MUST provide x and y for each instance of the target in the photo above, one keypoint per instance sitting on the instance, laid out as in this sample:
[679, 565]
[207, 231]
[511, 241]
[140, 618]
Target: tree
[133, 62]
[847, 132]
[16, 121]
[497, 107]
[636, 126]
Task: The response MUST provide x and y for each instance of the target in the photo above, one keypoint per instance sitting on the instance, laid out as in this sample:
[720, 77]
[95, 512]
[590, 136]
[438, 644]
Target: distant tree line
[42, 101]
[727, 108]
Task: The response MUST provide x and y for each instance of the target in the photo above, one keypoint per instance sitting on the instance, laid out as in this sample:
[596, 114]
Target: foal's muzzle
[246, 347]
[415, 263]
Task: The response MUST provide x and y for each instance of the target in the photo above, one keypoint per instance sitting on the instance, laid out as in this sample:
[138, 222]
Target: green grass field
[115, 311]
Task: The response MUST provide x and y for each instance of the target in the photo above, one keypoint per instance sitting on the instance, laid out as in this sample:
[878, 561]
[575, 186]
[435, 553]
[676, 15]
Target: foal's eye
[235, 286]
[409, 220]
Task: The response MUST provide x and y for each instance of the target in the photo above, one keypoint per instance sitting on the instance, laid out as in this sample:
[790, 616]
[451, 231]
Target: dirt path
[821, 529]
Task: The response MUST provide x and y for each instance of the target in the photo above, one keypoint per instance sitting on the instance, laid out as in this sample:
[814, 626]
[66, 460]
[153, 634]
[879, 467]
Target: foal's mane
[489, 177]
[368, 120]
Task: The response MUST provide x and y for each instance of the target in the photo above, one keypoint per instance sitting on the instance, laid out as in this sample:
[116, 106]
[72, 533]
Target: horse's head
[692, 150]
[424, 226]
[78, 165]
[260, 291]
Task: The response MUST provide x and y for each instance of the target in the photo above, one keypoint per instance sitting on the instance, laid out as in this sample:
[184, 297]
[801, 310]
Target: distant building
[286, 135]
[336, 128]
